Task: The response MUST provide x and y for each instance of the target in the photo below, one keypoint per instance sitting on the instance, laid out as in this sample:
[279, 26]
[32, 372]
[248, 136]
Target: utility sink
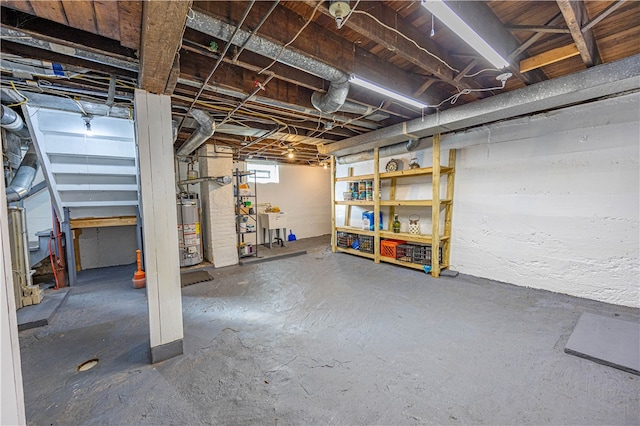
[273, 220]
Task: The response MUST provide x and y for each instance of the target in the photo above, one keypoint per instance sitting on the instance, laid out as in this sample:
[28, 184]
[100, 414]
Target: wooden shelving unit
[438, 239]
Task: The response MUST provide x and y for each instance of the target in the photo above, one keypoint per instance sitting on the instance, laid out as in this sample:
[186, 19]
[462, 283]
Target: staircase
[90, 175]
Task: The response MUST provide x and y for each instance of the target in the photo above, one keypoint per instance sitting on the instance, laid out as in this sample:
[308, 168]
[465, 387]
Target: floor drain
[87, 365]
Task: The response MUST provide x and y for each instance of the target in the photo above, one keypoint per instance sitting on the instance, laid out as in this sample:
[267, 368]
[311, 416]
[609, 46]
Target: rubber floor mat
[607, 341]
[190, 278]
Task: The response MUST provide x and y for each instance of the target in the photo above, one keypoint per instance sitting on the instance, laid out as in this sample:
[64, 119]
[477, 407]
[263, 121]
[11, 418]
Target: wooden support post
[448, 215]
[376, 205]
[76, 248]
[333, 203]
[392, 209]
[158, 206]
[435, 209]
[12, 401]
[347, 213]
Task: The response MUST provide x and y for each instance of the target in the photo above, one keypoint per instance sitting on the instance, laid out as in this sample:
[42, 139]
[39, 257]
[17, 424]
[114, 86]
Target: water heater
[189, 231]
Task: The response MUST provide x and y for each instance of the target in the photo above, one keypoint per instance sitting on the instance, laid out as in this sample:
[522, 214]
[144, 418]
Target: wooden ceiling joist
[549, 57]
[575, 15]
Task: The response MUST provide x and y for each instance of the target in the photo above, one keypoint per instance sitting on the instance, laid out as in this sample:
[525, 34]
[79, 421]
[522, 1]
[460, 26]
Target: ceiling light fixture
[87, 125]
[448, 17]
[383, 91]
[290, 154]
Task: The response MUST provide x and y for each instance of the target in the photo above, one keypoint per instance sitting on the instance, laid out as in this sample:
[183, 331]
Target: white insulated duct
[26, 173]
[592, 83]
[204, 131]
[339, 80]
[23, 179]
[11, 121]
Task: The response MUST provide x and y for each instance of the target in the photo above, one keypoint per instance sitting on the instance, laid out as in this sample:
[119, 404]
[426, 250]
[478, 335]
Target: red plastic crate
[388, 247]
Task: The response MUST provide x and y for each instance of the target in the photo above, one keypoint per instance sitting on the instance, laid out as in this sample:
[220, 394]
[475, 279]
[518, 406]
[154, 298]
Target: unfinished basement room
[320, 212]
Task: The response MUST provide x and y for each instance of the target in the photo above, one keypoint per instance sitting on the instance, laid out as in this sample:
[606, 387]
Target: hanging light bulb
[324, 166]
[290, 154]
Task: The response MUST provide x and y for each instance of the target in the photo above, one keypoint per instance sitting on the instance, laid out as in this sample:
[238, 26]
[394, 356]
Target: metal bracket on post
[68, 239]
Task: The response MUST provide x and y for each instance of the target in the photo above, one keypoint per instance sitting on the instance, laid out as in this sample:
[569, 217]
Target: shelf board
[355, 203]
[249, 232]
[407, 264]
[356, 252]
[405, 236]
[354, 178]
[354, 230]
[414, 172]
[420, 203]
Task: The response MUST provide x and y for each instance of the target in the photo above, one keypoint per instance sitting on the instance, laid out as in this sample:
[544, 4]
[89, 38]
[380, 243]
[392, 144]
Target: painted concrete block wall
[109, 246]
[218, 209]
[552, 201]
[304, 193]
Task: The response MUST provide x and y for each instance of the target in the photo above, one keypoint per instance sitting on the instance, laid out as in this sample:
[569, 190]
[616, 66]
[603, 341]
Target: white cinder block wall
[552, 201]
[549, 201]
[217, 206]
[304, 194]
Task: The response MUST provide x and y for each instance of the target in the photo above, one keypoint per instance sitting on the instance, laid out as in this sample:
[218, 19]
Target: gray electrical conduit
[26, 173]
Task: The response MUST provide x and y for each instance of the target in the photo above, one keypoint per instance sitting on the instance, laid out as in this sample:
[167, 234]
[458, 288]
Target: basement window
[265, 173]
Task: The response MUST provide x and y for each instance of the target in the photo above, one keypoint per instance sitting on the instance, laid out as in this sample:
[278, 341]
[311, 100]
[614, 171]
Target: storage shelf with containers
[245, 192]
[411, 246]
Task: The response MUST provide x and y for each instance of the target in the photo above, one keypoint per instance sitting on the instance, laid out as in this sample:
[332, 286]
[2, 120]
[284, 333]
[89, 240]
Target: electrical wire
[410, 40]
[344, 21]
[315, 9]
[24, 98]
[454, 98]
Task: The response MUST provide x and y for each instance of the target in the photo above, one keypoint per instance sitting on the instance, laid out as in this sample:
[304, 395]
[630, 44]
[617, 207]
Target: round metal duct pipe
[12, 121]
[387, 151]
[23, 179]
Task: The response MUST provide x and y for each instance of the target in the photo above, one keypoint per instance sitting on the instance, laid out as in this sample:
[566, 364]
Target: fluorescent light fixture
[381, 90]
[448, 17]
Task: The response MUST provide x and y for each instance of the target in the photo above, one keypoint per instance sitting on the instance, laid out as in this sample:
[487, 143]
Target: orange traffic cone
[139, 279]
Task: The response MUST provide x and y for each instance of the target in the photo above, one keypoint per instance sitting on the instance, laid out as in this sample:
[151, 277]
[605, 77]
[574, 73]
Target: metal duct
[387, 151]
[350, 107]
[22, 181]
[200, 135]
[332, 100]
[12, 121]
[224, 31]
[592, 83]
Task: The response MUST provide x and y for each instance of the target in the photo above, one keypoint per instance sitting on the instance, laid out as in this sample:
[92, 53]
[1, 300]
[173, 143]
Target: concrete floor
[324, 339]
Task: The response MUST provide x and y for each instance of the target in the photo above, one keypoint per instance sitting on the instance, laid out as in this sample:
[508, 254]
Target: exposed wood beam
[539, 29]
[318, 43]
[466, 69]
[402, 47]
[100, 222]
[549, 57]
[160, 41]
[424, 87]
[480, 17]
[575, 15]
[529, 42]
[130, 17]
[608, 11]
[47, 55]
